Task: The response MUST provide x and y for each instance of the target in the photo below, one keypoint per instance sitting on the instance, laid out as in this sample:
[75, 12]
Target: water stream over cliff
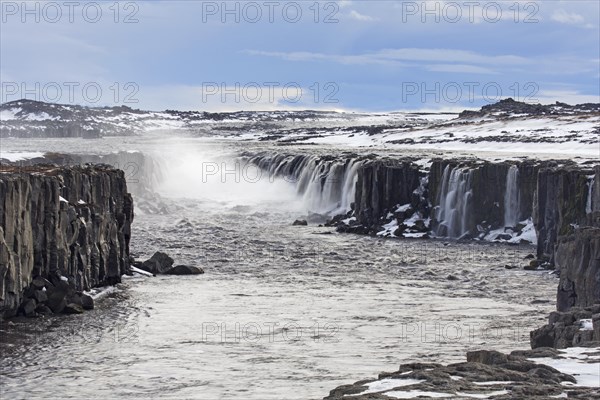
[454, 202]
[511, 197]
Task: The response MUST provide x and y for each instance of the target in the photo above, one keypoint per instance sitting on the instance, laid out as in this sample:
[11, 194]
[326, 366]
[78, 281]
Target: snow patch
[579, 362]
[19, 156]
[387, 384]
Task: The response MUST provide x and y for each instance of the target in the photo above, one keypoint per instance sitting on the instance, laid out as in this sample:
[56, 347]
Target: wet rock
[487, 357]
[300, 222]
[73, 308]
[533, 265]
[159, 263]
[539, 352]
[185, 270]
[580, 337]
[452, 278]
[29, 308]
[40, 282]
[57, 300]
[43, 309]
[40, 296]
[87, 302]
[564, 329]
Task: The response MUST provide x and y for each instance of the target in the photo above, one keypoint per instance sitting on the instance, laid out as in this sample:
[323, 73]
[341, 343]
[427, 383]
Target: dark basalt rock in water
[159, 263]
[184, 270]
[576, 327]
[43, 297]
[300, 222]
[60, 223]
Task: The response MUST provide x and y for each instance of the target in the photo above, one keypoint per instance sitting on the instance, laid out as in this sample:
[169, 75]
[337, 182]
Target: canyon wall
[381, 185]
[67, 222]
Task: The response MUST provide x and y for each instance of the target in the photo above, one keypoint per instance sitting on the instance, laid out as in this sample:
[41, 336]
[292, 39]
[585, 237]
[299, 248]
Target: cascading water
[588, 204]
[454, 201]
[326, 186]
[511, 197]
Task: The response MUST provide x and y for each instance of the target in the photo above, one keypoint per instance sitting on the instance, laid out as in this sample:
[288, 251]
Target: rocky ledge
[486, 374]
[63, 230]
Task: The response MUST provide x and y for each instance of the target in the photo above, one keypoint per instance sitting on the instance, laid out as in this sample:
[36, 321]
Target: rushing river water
[282, 312]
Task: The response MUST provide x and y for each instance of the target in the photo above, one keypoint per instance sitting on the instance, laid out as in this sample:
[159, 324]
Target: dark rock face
[68, 221]
[578, 259]
[300, 222]
[159, 263]
[485, 185]
[382, 185]
[184, 270]
[561, 199]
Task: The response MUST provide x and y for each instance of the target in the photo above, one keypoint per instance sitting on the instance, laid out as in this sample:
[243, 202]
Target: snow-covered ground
[562, 131]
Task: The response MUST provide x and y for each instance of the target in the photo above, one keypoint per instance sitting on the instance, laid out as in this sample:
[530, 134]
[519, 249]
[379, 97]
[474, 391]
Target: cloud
[565, 17]
[569, 96]
[450, 55]
[360, 17]
[450, 60]
[358, 59]
[460, 68]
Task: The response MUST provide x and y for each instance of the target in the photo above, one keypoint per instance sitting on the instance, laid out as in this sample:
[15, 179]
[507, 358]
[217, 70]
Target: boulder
[159, 263]
[185, 270]
[87, 302]
[40, 282]
[40, 296]
[43, 309]
[29, 308]
[488, 357]
[300, 222]
[57, 300]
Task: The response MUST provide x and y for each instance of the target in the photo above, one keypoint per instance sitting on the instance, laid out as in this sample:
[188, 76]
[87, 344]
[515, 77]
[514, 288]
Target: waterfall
[326, 186]
[588, 204]
[511, 197]
[454, 201]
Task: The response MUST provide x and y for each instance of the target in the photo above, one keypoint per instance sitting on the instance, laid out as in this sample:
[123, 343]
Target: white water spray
[454, 202]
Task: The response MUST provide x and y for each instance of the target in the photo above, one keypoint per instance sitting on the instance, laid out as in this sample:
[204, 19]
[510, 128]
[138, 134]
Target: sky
[266, 55]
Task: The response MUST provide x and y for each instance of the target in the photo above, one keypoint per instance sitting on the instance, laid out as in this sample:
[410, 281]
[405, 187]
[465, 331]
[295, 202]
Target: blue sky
[352, 55]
